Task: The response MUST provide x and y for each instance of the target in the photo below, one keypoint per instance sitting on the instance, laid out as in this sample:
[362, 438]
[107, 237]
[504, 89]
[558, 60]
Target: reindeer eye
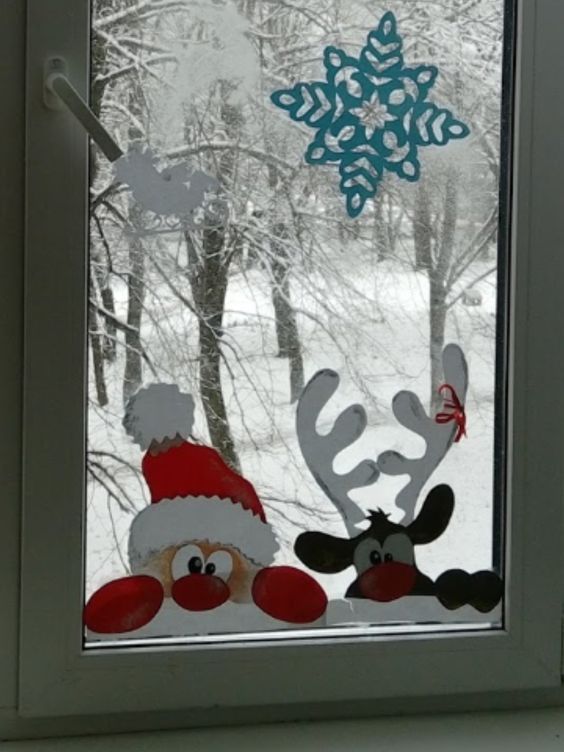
[376, 557]
[388, 557]
[367, 554]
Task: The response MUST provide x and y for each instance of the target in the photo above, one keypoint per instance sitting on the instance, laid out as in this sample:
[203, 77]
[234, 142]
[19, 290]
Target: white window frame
[56, 676]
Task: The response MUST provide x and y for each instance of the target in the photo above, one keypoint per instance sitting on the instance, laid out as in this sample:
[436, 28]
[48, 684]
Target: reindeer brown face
[383, 555]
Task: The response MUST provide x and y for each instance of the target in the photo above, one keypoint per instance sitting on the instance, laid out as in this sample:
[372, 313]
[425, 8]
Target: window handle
[58, 91]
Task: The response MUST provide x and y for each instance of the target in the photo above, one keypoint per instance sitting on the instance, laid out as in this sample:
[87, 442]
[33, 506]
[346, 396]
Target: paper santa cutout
[192, 487]
[204, 539]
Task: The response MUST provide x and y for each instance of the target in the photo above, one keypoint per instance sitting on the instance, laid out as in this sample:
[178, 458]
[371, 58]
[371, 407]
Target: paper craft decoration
[438, 435]
[174, 191]
[371, 114]
[383, 555]
[384, 559]
[204, 540]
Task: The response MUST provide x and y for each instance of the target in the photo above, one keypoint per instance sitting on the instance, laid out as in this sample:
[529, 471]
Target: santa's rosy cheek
[388, 581]
[124, 605]
[200, 592]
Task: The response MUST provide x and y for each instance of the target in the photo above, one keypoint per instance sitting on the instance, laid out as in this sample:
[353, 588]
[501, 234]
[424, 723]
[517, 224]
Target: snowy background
[243, 315]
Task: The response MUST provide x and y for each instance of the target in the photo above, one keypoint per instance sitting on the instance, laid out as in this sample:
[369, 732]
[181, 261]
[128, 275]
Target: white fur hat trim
[174, 522]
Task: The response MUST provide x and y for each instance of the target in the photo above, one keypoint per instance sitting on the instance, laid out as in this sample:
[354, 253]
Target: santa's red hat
[195, 495]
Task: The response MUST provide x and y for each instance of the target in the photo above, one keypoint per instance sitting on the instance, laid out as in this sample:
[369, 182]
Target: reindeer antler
[320, 451]
[438, 436]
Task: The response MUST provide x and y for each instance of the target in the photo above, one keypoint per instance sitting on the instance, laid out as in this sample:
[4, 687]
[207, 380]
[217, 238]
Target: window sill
[520, 731]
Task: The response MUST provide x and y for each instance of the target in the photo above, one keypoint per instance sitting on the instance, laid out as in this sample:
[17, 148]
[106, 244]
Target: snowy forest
[241, 313]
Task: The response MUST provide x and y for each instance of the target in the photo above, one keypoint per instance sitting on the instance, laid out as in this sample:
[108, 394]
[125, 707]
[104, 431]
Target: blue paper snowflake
[371, 114]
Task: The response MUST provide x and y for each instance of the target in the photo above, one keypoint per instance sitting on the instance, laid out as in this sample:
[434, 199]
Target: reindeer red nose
[388, 581]
[200, 592]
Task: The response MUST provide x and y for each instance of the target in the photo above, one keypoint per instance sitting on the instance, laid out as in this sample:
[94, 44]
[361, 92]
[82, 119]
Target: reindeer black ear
[324, 553]
[435, 514]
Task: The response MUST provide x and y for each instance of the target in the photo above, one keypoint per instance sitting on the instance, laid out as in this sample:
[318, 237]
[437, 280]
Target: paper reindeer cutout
[175, 191]
[438, 435]
[203, 540]
[384, 559]
[320, 451]
[371, 114]
[383, 555]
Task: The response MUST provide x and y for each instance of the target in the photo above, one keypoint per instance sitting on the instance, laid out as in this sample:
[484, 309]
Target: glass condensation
[241, 305]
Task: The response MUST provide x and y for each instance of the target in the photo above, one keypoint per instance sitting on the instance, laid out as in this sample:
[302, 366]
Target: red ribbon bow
[456, 414]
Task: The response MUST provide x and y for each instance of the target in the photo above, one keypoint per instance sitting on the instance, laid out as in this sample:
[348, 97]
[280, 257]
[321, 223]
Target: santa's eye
[221, 563]
[195, 565]
[187, 560]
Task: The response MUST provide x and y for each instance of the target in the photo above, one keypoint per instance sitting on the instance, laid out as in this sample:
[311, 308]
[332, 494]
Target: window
[59, 673]
[368, 266]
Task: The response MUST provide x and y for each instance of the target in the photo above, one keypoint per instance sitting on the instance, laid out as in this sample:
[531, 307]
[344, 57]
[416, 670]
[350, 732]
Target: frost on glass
[291, 396]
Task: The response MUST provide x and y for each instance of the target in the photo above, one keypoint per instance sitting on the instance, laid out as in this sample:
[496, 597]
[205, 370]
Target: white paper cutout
[174, 191]
[158, 412]
[415, 611]
[174, 621]
[320, 451]
[438, 437]
[173, 522]
[226, 53]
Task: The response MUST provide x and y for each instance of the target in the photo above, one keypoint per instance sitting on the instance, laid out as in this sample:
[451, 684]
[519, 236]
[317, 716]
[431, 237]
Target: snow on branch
[133, 12]
[439, 437]
[251, 151]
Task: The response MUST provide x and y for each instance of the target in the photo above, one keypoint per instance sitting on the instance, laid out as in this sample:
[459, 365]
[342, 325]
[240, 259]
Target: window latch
[59, 93]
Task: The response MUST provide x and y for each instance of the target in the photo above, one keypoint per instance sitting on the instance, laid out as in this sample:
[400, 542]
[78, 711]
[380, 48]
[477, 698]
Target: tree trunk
[101, 277]
[380, 232]
[133, 373]
[97, 353]
[438, 285]
[208, 273]
[280, 303]
[437, 321]
[287, 332]
[110, 344]
[208, 277]
[99, 66]
[422, 230]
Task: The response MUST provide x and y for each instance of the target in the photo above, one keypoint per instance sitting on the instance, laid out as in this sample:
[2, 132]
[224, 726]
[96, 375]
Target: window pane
[306, 219]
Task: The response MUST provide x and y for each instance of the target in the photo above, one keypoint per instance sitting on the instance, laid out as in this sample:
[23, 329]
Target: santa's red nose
[388, 581]
[200, 592]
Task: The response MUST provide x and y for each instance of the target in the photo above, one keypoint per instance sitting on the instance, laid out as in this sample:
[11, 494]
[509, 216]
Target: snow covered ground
[369, 322]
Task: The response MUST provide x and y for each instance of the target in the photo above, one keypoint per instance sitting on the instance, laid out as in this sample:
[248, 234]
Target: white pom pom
[157, 412]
